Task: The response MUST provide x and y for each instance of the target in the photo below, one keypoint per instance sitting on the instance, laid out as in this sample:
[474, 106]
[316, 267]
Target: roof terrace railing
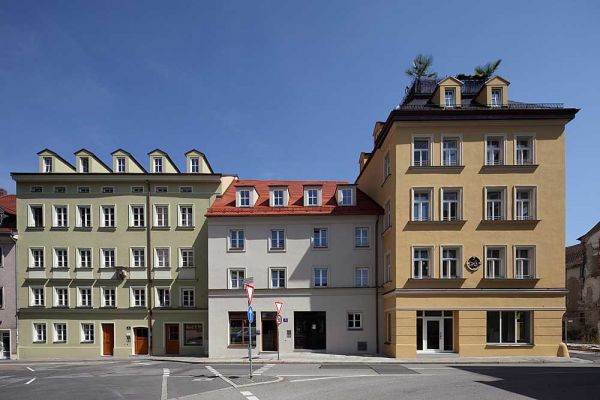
[512, 106]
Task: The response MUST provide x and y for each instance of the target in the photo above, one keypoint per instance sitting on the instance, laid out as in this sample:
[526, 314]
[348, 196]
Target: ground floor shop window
[239, 329]
[193, 334]
[509, 327]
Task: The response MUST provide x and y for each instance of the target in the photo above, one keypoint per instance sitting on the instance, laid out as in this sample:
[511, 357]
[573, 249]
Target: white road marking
[31, 369]
[358, 376]
[246, 393]
[165, 378]
[220, 375]
[263, 369]
[252, 398]
[29, 381]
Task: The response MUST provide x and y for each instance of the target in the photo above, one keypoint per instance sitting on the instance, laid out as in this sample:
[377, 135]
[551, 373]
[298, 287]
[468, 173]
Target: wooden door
[108, 339]
[172, 338]
[141, 340]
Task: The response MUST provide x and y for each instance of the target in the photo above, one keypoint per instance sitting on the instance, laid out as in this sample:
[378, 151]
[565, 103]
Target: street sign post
[278, 306]
[250, 292]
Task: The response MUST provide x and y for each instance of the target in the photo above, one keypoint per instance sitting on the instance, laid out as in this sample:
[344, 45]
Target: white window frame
[137, 189]
[503, 191]
[91, 332]
[352, 322]
[502, 149]
[279, 270]
[496, 102]
[186, 189]
[30, 217]
[80, 259]
[183, 292]
[449, 97]
[358, 244]
[459, 264]
[308, 198]
[60, 335]
[103, 215]
[419, 190]
[118, 165]
[345, 200]
[61, 299]
[230, 240]
[429, 139]
[531, 259]
[284, 197]
[244, 197]
[157, 258]
[314, 241]
[104, 297]
[84, 165]
[83, 189]
[180, 222]
[181, 251]
[103, 252]
[80, 297]
[387, 267]
[459, 149]
[164, 301]
[362, 283]
[32, 258]
[387, 216]
[194, 165]
[270, 240]
[41, 335]
[314, 278]
[133, 299]
[132, 257]
[80, 222]
[502, 258]
[158, 214]
[48, 165]
[132, 221]
[56, 257]
[387, 166]
[532, 203]
[459, 208]
[236, 270]
[532, 148]
[55, 219]
[37, 301]
[430, 262]
[158, 165]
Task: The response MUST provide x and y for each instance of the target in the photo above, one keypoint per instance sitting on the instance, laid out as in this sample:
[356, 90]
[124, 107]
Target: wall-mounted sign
[285, 320]
[473, 263]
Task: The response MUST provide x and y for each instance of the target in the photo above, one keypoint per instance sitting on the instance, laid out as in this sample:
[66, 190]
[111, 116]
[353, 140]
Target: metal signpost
[278, 305]
[250, 292]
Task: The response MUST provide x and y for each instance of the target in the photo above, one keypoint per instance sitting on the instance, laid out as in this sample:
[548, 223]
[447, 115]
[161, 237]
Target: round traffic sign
[279, 320]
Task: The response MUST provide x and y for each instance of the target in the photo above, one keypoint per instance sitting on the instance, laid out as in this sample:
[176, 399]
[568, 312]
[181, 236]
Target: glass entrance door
[433, 335]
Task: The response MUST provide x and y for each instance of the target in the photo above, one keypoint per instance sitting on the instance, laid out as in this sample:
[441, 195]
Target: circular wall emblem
[473, 263]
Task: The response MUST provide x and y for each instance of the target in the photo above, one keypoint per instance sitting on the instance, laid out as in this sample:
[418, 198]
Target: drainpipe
[377, 285]
[149, 266]
[15, 238]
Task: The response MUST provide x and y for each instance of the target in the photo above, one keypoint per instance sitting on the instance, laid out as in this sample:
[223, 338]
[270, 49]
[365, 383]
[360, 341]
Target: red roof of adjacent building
[8, 203]
[224, 206]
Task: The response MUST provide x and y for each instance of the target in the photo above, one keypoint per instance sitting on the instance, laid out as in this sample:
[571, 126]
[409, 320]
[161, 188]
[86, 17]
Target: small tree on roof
[487, 70]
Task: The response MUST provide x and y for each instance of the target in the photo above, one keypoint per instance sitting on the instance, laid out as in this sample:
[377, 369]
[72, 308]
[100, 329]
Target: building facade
[583, 282]
[311, 245]
[8, 268]
[473, 188]
[113, 258]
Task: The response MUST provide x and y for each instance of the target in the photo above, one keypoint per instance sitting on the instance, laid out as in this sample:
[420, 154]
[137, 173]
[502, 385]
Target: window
[161, 216]
[186, 216]
[361, 237]
[387, 272]
[36, 216]
[85, 297]
[346, 197]
[421, 205]
[84, 258]
[84, 216]
[509, 327]
[277, 241]
[39, 333]
[163, 297]
[450, 152]
[320, 277]
[158, 164]
[108, 216]
[61, 298]
[60, 189]
[121, 168]
[84, 165]
[320, 238]
[524, 204]
[163, 257]
[37, 296]
[87, 333]
[449, 97]
[137, 189]
[494, 263]
[138, 217]
[109, 297]
[236, 239]
[83, 189]
[421, 263]
[494, 150]
[277, 278]
[420, 152]
[524, 150]
[450, 263]
[108, 189]
[496, 97]
[188, 297]
[236, 278]
[244, 198]
[186, 258]
[277, 198]
[194, 165]
[524, 263]
[241, 332]
[312, 197]
[36, 189]
[387, 166]
[354, 321]
[47, 165]
[494, 204]
[361, 277]
[138, 257]
[60, 332]
[451, 210]
[185, 189]
[138, 296]
[108, 258]
[161, 189]
[36, 259]
[193, 335]
[61, 258]
[61, 219]
[387, 218]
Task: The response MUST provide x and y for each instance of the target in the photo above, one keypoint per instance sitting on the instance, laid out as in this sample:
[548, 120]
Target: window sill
[362, 247]
[60, 307]
[109, 307]
[456, 169]
[59, 341]
[277, 250]
[355, 329]
[34, 228]
[136, 228]
[84, 307]
[59, 228]
[83, 228]
[161, 228]
[185, 228]
[505, 279]
[236, 250]
[521, 224]
[107, 228]
[320, 248]
[86, 342]
[508, 168]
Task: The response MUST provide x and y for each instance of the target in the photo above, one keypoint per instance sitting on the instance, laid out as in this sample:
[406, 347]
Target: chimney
[377, 130]
[3, 192]
[362, 160]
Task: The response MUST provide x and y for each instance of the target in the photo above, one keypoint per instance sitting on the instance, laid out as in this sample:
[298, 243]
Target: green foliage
[420, 67]
[487, 70]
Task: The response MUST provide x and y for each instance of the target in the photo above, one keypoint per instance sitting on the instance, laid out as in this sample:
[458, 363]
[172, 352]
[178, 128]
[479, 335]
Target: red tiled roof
[8, 203]
[225, 205]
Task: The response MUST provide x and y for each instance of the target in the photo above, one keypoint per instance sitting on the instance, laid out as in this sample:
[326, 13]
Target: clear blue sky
[277, 89]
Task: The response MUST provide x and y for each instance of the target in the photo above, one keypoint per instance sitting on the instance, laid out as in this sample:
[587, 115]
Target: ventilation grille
[361, 346]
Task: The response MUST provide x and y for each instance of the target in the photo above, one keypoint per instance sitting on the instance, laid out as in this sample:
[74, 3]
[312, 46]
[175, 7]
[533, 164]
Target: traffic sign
[250, 314]
[279, 320]
[249, 291]
[279, 305]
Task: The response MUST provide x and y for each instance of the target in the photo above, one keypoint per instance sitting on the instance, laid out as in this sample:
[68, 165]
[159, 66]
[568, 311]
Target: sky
[277, 89]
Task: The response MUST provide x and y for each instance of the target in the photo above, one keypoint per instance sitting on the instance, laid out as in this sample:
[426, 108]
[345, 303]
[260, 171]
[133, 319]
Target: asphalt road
[145, 379]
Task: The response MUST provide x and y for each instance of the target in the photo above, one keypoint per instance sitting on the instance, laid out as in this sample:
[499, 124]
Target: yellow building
[472, 242]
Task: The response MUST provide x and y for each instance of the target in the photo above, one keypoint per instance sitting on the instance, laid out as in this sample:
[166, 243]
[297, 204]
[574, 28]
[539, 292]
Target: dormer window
[158, 165]
[496, 97]
[47, 165]
[244, 197]
[121, 165]
[312, 197]
[346, 196]
[84, 165]
[194, 165]
[449, 97]
[278, 197]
